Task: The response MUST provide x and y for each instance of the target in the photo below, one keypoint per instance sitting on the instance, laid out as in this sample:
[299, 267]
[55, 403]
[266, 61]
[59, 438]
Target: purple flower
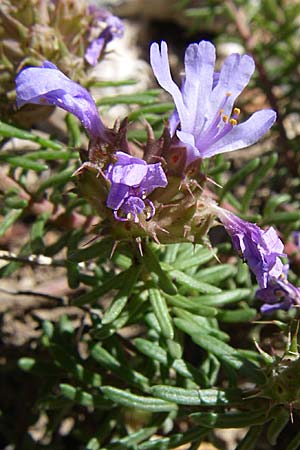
[47, 85]
[206, 120]
[261, 249]
[114, 28]
[132, 180]
[279, 294]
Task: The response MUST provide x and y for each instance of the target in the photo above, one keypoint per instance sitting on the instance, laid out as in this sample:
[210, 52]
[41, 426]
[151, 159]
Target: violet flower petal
[279, 294]
[94, 50]
[160, 65]
[234, 76]
[117, 194]
[48, 85]
[199, 65]
[244, 134]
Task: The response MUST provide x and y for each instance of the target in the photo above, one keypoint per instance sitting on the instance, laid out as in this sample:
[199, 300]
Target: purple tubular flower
[132, 180]
[47, 85]
[204, 104]
[279, 294]
[114, 29]
[261, 249]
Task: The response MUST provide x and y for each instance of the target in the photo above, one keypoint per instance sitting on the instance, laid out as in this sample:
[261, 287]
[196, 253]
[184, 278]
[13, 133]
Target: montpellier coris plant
[161, 192]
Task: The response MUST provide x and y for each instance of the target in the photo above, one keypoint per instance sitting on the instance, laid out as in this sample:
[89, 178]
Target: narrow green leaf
[142, 98]
[83, 398]
[216, 274]
[294, 443]
[192, 324]
[97, 83]
[91, 297]
[105, 359]
[239, 176]
[130, 400]
[57, 179]
[52, 155]
[39, 368]
[201, 257]
[250, 439]
[119, 302]
[25, 163]
[203, 397]
[155, 267]
[237, 316]
[14, 201]
[274, 201]
[281, 418]
[221, 350]
[152, 350]
[190, 282]
[10, 132]
[258, 177]
[74, 131]
[281, 217]
[9, 220]
[102, 248]
[158, 108]
[225, 297]
[230, 419]
[190, 304]
[160, 309]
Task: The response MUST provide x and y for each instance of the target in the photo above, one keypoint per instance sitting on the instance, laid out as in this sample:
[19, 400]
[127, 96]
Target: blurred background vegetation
[87, 362]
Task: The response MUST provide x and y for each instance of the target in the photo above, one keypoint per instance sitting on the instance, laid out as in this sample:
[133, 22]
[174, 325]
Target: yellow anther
[228, 94]
[236, 111]
[233, 122]
[221, 111]
[225, 118]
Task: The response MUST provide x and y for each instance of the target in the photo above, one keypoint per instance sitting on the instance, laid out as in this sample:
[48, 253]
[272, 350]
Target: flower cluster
[161, 193]
[205, 121]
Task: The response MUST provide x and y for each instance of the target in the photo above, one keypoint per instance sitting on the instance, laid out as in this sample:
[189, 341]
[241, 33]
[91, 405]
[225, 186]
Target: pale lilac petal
[272, 241]
[234, 76]
[131, 174]
[48, 85]
[124, 159]
[244, 134]
[160, 65]
[188, 140]
[94, 50]
[173, 122]
[155, 178]
[117, 193]
[278, 294]
[199, 65]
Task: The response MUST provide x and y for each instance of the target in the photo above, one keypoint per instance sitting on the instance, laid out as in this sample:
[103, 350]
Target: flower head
[261, 249]
[205, 119]
[113, 28]
[47, 85]
[132, 180]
